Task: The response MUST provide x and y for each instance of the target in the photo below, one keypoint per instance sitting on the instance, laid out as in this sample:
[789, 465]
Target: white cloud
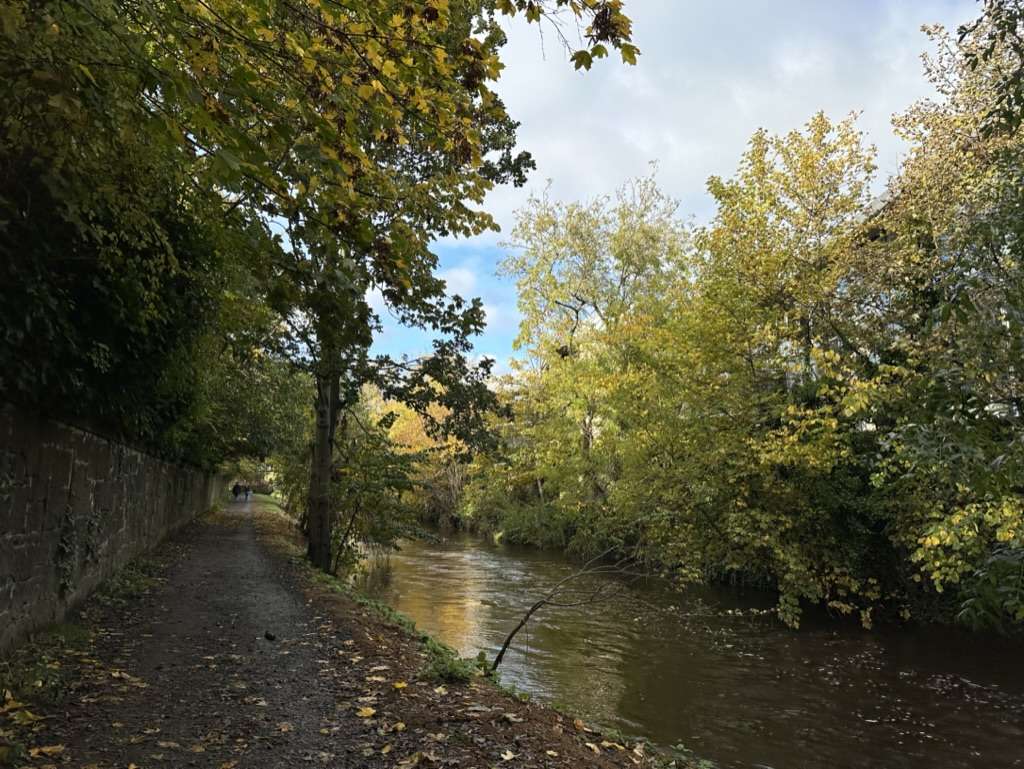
[375, 299]
[710, 74]
[460, 280]
[502, 317]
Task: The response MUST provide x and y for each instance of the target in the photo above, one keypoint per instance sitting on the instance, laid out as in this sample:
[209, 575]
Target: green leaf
[582, 60]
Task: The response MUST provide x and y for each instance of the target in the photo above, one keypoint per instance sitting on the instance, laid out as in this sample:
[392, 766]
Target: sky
[711, 72]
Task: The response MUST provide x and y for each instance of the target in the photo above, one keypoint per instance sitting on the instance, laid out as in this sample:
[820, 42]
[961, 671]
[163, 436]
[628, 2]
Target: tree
[124, 279]
[997, 42]
[954, 239]
[322, 146]
[819, 392]
[419, 166]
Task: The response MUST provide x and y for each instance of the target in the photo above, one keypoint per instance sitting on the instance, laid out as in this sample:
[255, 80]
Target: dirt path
[222, 658]
[238, 658]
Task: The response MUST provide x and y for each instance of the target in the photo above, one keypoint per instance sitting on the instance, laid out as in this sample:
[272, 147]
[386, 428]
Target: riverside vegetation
[818, 392]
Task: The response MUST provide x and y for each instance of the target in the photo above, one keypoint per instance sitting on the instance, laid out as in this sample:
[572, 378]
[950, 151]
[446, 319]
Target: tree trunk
[320, 513]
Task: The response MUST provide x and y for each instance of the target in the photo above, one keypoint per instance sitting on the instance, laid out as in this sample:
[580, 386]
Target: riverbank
[708, 669]
[226, 650]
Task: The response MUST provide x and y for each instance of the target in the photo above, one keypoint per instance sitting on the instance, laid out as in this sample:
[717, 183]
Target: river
[709, 671]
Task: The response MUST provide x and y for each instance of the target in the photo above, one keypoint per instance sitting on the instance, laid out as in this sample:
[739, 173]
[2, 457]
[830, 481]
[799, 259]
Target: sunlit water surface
[700, 670]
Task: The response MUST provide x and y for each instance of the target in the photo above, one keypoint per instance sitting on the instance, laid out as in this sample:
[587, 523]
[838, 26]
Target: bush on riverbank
[819, 391]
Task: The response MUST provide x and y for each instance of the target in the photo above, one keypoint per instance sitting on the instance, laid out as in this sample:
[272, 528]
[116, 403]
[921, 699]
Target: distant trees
[818, 391]
[391, 474]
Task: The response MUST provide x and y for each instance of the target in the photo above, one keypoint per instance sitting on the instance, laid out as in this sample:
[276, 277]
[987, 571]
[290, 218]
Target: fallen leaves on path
[25, 717]
[46, 750]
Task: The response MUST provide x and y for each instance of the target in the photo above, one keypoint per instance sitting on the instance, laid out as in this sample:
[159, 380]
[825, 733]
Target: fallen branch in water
[551, 598]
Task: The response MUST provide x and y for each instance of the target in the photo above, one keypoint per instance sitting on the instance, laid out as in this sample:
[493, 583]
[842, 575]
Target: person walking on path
[236, 490]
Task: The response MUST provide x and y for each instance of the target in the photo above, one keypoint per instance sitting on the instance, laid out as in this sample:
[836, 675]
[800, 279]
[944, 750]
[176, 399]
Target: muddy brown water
[709, 671]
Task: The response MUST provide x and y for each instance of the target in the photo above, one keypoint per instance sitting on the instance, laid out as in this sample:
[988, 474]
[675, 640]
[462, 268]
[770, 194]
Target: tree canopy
[818, 391]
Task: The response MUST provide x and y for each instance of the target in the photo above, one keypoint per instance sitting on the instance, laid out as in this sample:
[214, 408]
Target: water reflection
[458, 619]
[731, 686]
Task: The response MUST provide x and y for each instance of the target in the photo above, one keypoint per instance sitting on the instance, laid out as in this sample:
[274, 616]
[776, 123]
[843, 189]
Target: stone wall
[74, 507]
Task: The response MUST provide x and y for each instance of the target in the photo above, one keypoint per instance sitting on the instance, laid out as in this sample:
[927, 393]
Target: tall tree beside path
[321, 146]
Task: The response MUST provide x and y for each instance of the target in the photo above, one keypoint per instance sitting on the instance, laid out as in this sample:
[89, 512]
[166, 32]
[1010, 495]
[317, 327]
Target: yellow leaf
[25, 717]
[365, 712]
[46, 750]
[10, 703]
[400, 684]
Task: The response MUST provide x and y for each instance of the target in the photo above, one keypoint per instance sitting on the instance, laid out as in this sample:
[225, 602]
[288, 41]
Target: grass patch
[512, 691]
[385, 612]
[35, 670]
[444, 664]
[130, 582]
[265, 503]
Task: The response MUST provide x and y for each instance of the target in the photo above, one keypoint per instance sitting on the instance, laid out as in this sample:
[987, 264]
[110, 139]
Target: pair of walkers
[241, 491]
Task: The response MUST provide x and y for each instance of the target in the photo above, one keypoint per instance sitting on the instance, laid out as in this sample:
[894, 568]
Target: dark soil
[237, 656]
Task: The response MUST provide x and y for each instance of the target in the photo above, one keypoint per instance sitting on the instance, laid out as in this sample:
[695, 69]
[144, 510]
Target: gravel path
[218, 663]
